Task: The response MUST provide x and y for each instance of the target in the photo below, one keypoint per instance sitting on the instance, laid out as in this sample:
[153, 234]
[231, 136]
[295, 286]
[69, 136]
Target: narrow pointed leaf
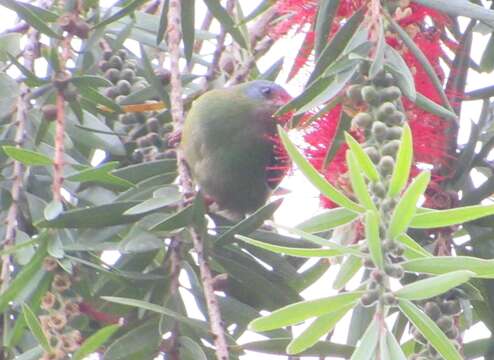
[347, 270]
[430, 330]
[127, 10]
[378, 62]
[401, 172]
[461, 8]
[315, 177]
[434, 108]
[95, 341]
[344, 124]
[365, 350]
[299, 252]
[449, 217]
[358, 182]
[400, 70]
[433, 286]
[362, 158]
[406, 240]
[445, 264]
[327, 220]
[373, 239]
[153, 79]
[320, 327]
[226, 21]
[188, 30]
[394, 348]
[163, 22]
[407, 205]
[324, 21]
[298, 312]
[27, 157]
[35, 327]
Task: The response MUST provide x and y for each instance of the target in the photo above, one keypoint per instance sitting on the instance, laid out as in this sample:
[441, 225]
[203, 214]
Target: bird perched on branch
[231, 145]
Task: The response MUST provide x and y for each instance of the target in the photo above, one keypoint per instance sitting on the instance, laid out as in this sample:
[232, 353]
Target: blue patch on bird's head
[266, 91]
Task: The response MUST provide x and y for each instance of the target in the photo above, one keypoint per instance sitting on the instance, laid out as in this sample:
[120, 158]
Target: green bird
[230, 143]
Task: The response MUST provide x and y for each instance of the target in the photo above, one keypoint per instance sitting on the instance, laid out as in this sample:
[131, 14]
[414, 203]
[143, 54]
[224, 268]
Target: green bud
[152, 124]
[354, 93]
[396, 118]
[383, 79]
[369, 298]
[373, 154]
[378, 189]
[432, 310]
[395, 132]
[385, 110]
[116, 62]
[451, 307]
[445, 323]
[103, 65]
[127, 74]
[379, 130]
[386, 165]
[370, 95]
[390, 299]
[113, 75]
[391, 93]
[452, 333]
[123, 87]
[362, 120]
[393, 270]
[391, 148]
[122, 54]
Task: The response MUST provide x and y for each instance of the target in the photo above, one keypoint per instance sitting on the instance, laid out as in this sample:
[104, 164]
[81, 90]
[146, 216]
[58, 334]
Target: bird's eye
[266, 91]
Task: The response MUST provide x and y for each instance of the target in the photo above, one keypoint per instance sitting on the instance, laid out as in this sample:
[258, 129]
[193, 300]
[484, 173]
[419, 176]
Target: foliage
[89, 165]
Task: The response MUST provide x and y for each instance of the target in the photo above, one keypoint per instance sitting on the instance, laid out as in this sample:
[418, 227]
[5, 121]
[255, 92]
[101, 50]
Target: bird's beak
[282, 99]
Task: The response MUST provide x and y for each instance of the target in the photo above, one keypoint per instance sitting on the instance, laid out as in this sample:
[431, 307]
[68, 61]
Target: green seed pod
[396, 118]
[451, 307]
[432, 310]
[113, 75]
[110, 92]
[386, 165]
[164, 75]
[395, 132]
[354, 93]
[391, 148]
[120, 99]
[368, 263]
[152, 124]
[154, 138]
[137, 132]
[370, 95]
[81, 29]
[383, 80]
[373, 154]
[390, 299]
[379, 130]
[49, 112]
[130, 64]
[127, 74]
[394, 270]
[70, 93]
[391, 93]
[127, 118]
[369, 298]
[378, 189]
[116, 62]
[388, 245]
[388, 204]
[452, 333]
[445, 323]
[122, 54]
[399, 250]
[123, 87]
[362, 120]
[378, 276]
[137, 86]
[168, 127]
[143, 142]
[385, 110]
[137, 155]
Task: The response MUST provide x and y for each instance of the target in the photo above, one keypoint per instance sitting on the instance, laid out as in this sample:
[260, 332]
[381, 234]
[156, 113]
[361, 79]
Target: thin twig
[174, 37]
[59, 148]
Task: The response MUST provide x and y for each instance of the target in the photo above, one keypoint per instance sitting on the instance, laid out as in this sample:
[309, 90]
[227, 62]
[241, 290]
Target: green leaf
[100, 174]
[338, 43]
[404, 158]
[295, 313]
[175, 221]
[461, 8]
[25, 275]
[487, 60]
[324, 21]
[27, 157]
[10, 47]
[378, 61]
[35, 327]
[363, 160]
[199, 324]
[422, 59]
[434, 108]
[226, 21]
[347, 270]
[190, 350]
[188, 31]
[95, 341]
[394, 348]
[449, 217]
[430, 330]
[90, 81]
[53, 209]
[445, 264]
[166, 196]
[372, 221]
[365, 351]
[126, 10]
[292, 251]
[30, 16]
[249, 224]
[358, 182]
[320, 327]
[163, 22]
[153, 79]
[407, 205]
[406, 240]
[327, 220]
[93, 217]
[315, 177]
[400, 70]
[139, 172]
[434, 286]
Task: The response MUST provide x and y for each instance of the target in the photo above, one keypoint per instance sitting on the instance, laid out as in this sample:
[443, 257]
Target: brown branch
[58, 161]
[174, 37]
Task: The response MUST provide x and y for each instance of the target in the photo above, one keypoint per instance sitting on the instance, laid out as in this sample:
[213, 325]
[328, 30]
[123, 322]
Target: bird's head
[266, 94]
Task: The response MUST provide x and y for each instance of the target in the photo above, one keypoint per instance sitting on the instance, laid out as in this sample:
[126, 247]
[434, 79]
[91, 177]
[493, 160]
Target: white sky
[303, 200]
